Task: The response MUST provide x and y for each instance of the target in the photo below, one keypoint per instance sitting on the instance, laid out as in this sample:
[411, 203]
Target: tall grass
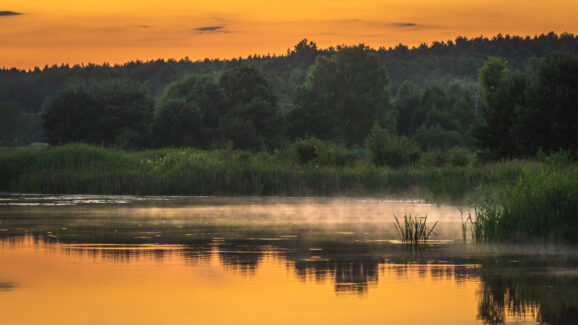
[83, 169]
[414, 229]
[542, 205]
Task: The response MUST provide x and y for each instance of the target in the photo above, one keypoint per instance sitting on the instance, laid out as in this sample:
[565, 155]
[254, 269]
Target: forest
[467, 95]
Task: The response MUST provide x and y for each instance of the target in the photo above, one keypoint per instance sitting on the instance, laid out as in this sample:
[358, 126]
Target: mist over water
[282, 260]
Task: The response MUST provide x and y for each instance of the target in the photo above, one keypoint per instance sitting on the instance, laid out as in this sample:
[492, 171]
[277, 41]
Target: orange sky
[116, 31]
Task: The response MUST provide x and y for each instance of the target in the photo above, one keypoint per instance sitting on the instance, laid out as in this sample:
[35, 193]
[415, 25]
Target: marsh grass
[83, 169]
[413, 230]
[541, 206]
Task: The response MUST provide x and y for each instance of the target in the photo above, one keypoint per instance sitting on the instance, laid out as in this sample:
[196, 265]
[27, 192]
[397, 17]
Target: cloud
[144, 26]
[404, 25]
[9, 13]
[211, 29]
[6, 286]
[410, 25]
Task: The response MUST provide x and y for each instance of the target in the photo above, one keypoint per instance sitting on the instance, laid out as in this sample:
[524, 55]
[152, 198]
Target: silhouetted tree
[343, 97]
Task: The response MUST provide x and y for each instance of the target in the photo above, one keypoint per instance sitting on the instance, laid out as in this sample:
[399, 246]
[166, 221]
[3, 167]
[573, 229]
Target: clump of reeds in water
[413, 229]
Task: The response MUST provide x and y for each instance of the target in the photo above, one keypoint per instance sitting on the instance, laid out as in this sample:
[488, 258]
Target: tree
[189, 113]
[113, 113]
[405, 104]
[124, 114]
[13, 124]
[387, 148]
[70, 117]
[251, 103]
[343, 97]
[178, 123]
[501, 94]
[549, 120]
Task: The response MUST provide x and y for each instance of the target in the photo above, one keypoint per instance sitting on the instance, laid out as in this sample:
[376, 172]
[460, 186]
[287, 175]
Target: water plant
[542, 205]
[413, 230]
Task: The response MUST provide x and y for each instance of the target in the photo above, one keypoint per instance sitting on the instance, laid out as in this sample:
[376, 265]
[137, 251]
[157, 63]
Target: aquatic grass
[84, 169]
[542, 205]
[414, 229]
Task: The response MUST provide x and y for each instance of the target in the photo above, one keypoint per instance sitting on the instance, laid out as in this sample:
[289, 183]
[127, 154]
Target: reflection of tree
[528, 287]
[352, 275]
[239, 254]
[537, 287]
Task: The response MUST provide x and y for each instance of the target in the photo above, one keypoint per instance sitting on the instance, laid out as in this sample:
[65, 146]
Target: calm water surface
[174, 260]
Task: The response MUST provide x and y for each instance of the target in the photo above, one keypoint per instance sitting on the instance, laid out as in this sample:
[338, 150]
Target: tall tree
[501, 94]
[549, 121]
[189, 112]
[343, 97]
[251, 101]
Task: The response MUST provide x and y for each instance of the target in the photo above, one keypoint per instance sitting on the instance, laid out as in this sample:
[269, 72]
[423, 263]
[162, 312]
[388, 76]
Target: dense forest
[478, 94]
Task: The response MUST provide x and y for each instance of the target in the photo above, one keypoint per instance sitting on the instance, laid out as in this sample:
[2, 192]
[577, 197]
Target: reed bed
[83, 169]
[413, 230]
[541, 206]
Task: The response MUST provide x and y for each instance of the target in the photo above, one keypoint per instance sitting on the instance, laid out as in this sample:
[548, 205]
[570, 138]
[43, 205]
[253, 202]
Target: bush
[306, 150]
[436, 158]
[387, 148]
[315, 151]
[336, 156]
[459, 157]
[541, 205]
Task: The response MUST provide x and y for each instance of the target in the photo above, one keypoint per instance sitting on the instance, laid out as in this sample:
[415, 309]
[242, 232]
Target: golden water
[261, 261]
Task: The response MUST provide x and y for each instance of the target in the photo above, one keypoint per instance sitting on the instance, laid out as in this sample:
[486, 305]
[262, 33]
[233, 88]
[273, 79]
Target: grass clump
[540, 206]
[309, 167]
[414, 229]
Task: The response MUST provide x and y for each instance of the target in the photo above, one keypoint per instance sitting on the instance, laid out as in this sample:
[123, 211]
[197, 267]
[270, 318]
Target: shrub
[389, 149]
[458, 156]
[306, 150]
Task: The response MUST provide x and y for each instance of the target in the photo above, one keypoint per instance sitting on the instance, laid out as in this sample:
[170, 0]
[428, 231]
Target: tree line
[336, 95]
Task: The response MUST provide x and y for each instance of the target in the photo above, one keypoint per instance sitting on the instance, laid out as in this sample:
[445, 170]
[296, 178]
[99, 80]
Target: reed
[83, 169]
[413, 230]
[542, 206]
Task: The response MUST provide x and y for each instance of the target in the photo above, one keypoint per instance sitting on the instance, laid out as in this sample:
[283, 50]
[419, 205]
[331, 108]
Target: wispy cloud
[211, 29]
[6, 286]
[6, 13]
[404, 25]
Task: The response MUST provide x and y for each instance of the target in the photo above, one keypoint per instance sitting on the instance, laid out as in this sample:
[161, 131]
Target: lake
[253, 260]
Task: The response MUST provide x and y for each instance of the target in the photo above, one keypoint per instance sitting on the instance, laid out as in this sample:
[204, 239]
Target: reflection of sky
[232, 281]
[277, 260]
[49, 32]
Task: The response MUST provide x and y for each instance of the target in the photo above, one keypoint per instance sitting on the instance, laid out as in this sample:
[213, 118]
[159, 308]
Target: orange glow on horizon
[73, 32]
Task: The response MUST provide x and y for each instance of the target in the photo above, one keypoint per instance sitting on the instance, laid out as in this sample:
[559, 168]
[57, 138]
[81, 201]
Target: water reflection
[513, 284]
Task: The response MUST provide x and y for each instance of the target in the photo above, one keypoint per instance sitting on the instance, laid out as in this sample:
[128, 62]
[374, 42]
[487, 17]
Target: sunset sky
[39, 32]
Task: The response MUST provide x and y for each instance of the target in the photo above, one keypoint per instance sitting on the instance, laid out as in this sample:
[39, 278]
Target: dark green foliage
[188, 113]
[317, 153]
[114, 113]
[389, 149]
[542, 205]
[79, 169]
[406, 105]
[457, 59]
[342, 98]
[70, 117]
[551, 112]
[178, 123]
[306, 151]
[502, 95]
[124, 113]
[524, 113]
[253, 106]
[14, 125]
